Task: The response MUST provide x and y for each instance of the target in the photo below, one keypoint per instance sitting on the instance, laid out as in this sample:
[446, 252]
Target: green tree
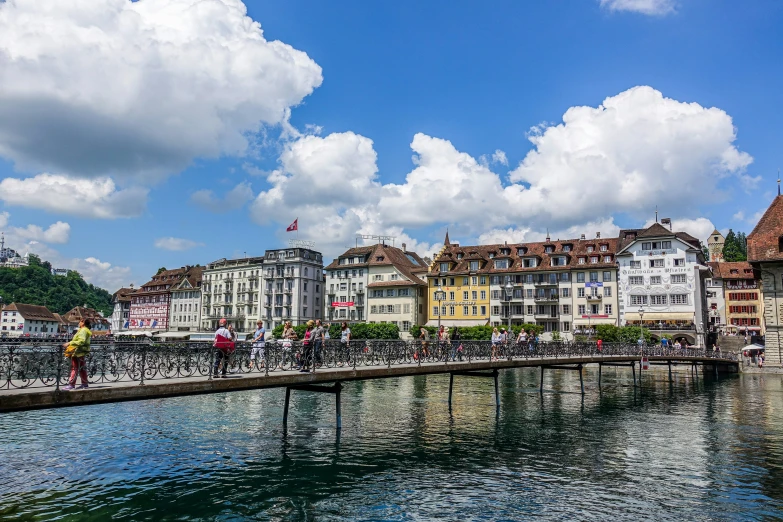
[734, 248]
[161, 269]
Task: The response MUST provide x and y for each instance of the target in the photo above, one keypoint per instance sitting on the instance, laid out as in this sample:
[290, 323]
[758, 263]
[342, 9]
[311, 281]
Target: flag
[293, 226]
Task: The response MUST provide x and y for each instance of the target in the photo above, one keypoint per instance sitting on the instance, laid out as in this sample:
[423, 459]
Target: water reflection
[682, 450]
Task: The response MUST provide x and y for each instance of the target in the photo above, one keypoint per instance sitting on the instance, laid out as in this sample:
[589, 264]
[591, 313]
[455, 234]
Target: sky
[149, 133]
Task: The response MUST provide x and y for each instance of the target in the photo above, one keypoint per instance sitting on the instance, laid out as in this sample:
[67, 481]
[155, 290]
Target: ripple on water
[693, 451]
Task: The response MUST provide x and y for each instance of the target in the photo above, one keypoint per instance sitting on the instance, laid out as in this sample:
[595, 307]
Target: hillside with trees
[35, 284]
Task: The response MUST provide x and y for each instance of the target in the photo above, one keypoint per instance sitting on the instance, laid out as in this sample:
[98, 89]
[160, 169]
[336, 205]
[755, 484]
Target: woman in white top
[497, 338]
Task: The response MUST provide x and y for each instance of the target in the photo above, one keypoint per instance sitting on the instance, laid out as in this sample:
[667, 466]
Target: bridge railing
[40, 362]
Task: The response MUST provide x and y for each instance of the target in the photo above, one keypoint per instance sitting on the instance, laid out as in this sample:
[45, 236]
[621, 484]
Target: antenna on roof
[778, 181]
[656, 213]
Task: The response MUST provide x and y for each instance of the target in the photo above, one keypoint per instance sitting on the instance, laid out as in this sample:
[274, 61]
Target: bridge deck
[126, 390]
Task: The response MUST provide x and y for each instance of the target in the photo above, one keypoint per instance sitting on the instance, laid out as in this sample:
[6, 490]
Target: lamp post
[439, 297]
[509, 288]
[641, 326]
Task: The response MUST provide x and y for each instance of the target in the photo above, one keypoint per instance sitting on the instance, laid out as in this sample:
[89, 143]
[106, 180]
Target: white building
[121, 299]
[346, 283]
[662, 280]
[716, 299]
[185, 309]
[21, 319]
[231, 289]
[10, 258]
[293, 281]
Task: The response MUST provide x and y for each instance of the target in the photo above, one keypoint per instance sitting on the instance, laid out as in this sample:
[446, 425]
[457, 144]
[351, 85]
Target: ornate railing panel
[40, 363]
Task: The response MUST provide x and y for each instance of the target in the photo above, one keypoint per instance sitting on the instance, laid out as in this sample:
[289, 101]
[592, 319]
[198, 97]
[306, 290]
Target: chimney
[403, 247]
[667, 221]
[582, 237]
[598, 235]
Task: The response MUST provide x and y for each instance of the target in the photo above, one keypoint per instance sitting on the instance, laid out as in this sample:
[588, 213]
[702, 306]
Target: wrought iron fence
[40, 362]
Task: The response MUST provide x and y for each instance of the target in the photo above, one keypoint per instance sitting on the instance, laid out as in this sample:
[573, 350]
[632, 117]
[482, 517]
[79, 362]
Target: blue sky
[147, 134]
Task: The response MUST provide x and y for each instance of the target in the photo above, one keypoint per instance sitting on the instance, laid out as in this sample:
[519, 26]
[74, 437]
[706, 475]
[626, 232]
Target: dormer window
[589, 248]
[444, 267]
[505, 251]
[549, 249]
[474, 265]
[593, 259]
[501, 263]
[581, 260]
[491, 255]
[607, 259]
[379, 258]
[566, 248]
[734, 271]
[558, 261]
[522, 251]
[529, 263]
[460, 255]
[604, 248]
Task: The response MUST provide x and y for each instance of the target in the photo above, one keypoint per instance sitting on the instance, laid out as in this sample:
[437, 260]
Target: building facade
[715, 246]
[185, 309]
[743, 303]
[231, 290]
[663, 280]
[72, 318]
[150, 304]
[120, 316]
[293, 286]
[716, 300]
[765, 254]
[565, 286]
[347, 277]
[24, 319]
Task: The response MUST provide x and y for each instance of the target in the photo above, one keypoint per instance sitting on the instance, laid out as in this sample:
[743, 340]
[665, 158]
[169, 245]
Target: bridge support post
[600, 367]
[670, 371]
[581, 380]
[336, 389]
[541, 387]
[469, 373]
[451, 387]
[497, 388]
[633, 369]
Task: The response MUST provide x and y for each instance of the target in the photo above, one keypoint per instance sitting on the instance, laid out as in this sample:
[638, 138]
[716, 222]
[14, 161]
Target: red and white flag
[293, 226]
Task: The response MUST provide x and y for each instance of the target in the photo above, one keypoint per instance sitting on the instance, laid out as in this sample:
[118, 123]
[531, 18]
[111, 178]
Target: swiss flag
[293, 226]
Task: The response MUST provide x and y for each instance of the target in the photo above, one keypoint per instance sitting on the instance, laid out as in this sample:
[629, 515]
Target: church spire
[446, 241]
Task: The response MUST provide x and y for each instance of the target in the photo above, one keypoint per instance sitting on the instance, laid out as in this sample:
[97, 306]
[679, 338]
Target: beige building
[231, 289]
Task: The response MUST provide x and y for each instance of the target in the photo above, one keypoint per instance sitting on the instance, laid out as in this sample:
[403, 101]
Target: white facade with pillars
[231, 289]
[292, 287]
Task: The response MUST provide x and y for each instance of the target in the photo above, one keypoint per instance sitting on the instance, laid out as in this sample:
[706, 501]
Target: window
[444, 267]
[474, 265]
[593, 259]
[549, 249]
[474, 293]
[390, 292]
[405, 292]
[679, 261]
[565, 277]
[636, 264]
[590, 248]
[483, 294]
[529, 293]
[393, 277]
[656, 263]
[530, 310]
[580, 292]
[501, 263]
[451, 296]
[607, 277]
[566, 309]
[374, 309]
[475, 310]
[608, 309]
[434, 310]
[637, 300]
[464, 310]
[678, 299]
[566, 326]
[406, 326]
[465, 295]
[655, 280]
[582, 310]
[679, 279]
[607, 291]
[406, 308]
[604, 248]
[377, 277]
[657, 300]
[390, 309]
[581, 260]
[580, 277]
[483, 280]
[465, 281]
[474, 280]
[636, 280]
[495, 294]
[558, 261]
[565, 292]
[607, 259]
[593, 277]
[495, 310]
[483, 310]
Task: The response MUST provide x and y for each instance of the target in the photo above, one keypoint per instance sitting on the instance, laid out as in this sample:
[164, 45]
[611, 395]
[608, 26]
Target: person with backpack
[224, 342]
[77, 350]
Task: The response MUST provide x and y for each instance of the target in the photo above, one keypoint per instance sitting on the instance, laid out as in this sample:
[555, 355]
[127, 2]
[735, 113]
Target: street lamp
[439, 297]
[509, 292]
[641, 326]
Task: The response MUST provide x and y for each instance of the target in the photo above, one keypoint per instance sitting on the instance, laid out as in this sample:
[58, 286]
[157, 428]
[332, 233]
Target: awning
[173, 335]
[659, 316]
[594, 321]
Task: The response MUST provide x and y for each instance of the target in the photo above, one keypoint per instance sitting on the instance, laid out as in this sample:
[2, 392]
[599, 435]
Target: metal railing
[26, 363]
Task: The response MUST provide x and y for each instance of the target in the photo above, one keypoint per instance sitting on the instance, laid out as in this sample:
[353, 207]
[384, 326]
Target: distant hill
[36, 285]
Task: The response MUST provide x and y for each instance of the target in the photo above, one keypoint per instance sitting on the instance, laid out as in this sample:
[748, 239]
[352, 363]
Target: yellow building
[463, 278]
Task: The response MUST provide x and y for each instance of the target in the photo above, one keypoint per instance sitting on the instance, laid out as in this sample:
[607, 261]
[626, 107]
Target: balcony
[546, 297]
[267, 291]
[253, 278]
[360, 291]
[288, 291]
[594, 297]
[545, 283]
[267, 305]
[547, 315]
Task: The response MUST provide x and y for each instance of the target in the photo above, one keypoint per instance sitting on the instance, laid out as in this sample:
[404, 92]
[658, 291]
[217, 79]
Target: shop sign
[342, 304]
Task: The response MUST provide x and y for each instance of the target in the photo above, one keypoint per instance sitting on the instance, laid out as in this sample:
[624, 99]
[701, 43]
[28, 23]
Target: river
[684, 451]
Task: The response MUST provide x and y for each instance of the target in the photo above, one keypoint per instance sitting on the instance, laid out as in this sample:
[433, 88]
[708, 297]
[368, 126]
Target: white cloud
[15, 237]
[739, 216]
[93, 198]
[234, 198]
[176, 244]
[500, 157]
[648, 7]
[116, 87]
[634, 151]
[700, 228]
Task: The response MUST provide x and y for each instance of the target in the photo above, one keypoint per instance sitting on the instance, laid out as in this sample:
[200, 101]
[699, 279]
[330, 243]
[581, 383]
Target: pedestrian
[289, 332]
[308, 346]
[224, 342]
[345, 340]
[456, 345]
[664, 343]
[258, 345]
[600, 345]
[77, 350]
[497, 338]
[522, 337]
[317, 338]
[425, 343]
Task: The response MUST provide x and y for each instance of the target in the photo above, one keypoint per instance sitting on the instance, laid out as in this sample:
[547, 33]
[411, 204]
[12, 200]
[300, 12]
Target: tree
[161, 269]
[734, 248]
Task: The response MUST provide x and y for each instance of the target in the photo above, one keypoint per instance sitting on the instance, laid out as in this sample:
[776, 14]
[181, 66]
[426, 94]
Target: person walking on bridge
[258, 345]
[77, 350]
[224, 342]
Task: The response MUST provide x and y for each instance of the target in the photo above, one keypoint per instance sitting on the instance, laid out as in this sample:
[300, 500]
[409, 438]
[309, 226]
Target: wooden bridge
[32, 374]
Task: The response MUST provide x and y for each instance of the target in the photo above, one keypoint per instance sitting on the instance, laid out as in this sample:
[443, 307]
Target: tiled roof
[122, 295]
[764, 240]
[520, 251]
[724, 270]
[165, 278]
[380, 284]
[192, 276]
[385, 255]
[31, 312]
[362, 252]
[78, 313]
[627, 236]
[59, 318]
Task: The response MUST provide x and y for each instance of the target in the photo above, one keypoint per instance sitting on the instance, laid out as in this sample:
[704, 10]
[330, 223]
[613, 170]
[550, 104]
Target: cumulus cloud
[637, 149]
[55, 233]
[93, 198]
[120, 87]
[176, 244]
[233, 199]
[647, 7]
[700, 228]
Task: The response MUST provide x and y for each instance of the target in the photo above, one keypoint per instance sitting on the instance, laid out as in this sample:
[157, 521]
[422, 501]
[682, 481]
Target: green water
[693, 450]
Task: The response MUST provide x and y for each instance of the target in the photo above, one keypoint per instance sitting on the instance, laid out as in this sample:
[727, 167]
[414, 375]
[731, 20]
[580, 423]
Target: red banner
[338, 304]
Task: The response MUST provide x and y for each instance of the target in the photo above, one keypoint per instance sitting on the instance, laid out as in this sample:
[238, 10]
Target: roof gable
[764, 240]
